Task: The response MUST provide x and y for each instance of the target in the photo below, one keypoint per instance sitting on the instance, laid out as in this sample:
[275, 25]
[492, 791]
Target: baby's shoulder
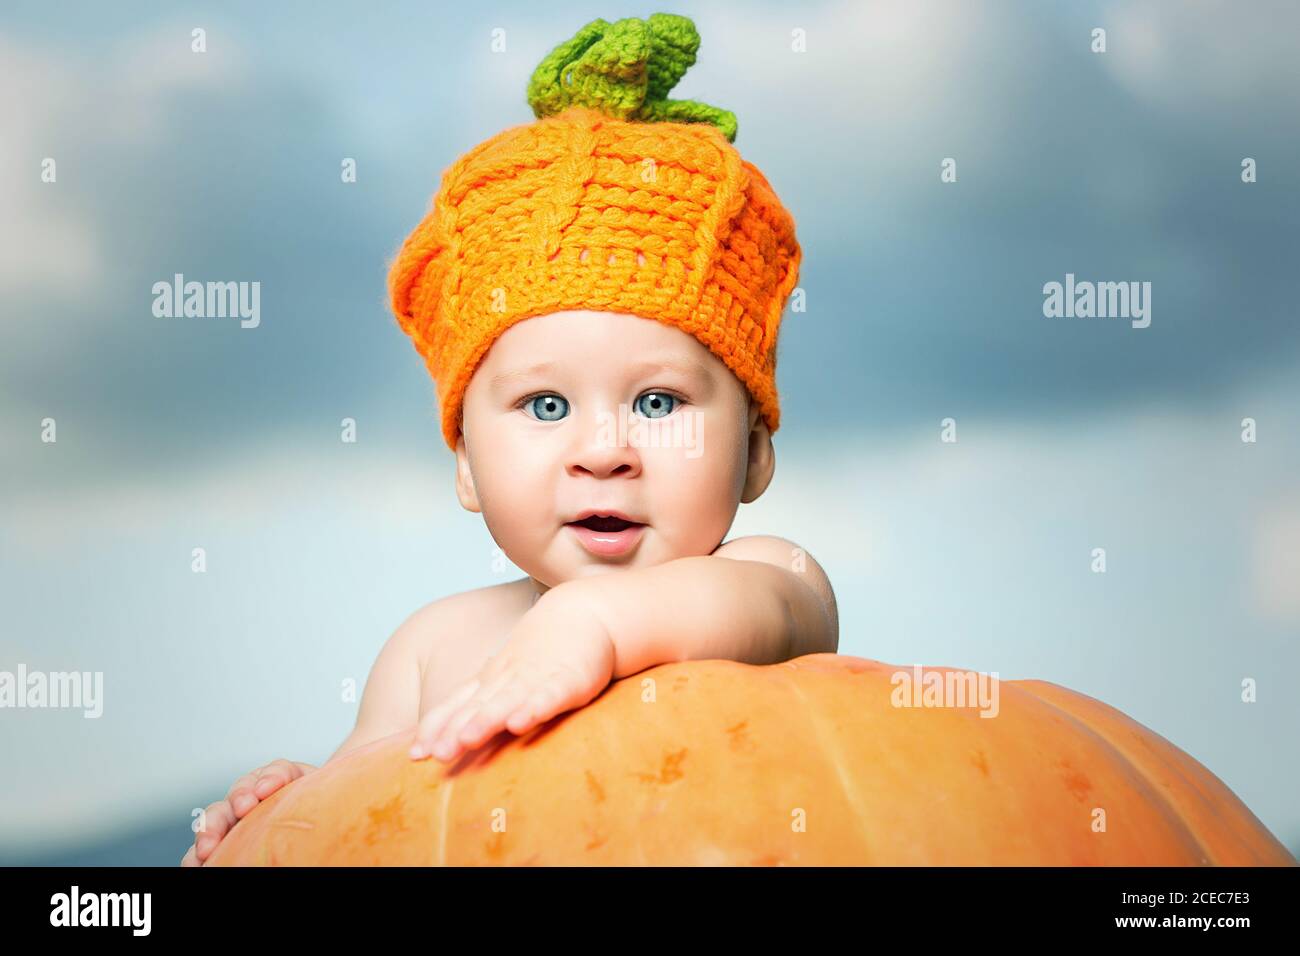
[469, 617]
[493, 599]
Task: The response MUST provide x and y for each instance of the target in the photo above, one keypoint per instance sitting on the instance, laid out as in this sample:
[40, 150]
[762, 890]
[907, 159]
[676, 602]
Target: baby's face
[543, 446]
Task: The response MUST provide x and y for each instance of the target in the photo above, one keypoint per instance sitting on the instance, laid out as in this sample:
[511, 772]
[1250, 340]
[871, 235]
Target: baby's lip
[604, 513]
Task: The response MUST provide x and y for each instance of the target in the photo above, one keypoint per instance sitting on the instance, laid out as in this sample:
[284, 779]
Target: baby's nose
[601, 447]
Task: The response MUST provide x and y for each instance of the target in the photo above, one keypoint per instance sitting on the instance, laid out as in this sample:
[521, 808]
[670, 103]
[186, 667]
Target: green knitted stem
[625, 69]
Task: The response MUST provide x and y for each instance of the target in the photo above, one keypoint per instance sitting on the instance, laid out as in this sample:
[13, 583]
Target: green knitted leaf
[673, 43]
[625, 69]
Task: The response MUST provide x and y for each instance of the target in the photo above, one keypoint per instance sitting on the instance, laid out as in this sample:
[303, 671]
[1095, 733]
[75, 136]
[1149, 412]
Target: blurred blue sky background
[924, 302]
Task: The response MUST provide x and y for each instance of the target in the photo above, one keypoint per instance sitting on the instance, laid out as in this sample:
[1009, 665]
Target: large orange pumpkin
[809, 762]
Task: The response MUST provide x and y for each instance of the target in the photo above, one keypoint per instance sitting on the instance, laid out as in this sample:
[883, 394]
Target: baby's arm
[389, 704]
[391, 700]
[758, 600]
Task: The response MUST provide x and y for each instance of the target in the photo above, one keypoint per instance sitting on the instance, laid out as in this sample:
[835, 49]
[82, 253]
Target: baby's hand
[246, 793]
[558, 657]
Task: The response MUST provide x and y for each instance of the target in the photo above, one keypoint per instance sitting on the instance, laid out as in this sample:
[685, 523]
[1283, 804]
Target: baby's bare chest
[451, 659]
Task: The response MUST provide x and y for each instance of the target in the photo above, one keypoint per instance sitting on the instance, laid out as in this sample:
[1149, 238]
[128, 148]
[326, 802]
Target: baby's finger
[278, 768]
[240, 796]
[523, 718]
[190, 859]
[460, 708]
[431, 722]
[492, 715]
[293, 770]
[267, 785]
[218, 819]
[272, 777]
[545, 702]
[477, 721]
[447, 744]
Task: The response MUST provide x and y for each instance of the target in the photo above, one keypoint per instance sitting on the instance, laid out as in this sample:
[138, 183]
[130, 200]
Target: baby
[608, 439]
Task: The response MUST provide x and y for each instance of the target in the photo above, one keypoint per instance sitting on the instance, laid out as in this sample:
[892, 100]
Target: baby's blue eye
[548, 408]
[656, 404]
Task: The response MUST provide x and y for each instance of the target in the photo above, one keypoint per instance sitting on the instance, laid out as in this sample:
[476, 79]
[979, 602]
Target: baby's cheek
[698, 512]
[515, 526]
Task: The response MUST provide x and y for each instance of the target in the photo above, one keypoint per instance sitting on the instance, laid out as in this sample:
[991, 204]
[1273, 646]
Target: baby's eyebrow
[687, 367]
[503, 379]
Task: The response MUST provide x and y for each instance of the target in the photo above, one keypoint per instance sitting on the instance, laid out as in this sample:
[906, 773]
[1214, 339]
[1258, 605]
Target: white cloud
[72, 109]
[1202, 55]
[146, 68]
[234, 494]
[865, 63]
[1275, 555]
[45, 242]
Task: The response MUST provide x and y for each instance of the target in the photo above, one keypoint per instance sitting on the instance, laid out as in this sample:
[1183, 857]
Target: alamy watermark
[55, 690]
[1101, 300]
[209, 300]
[684, 430]
[945, 688]
[76, 908]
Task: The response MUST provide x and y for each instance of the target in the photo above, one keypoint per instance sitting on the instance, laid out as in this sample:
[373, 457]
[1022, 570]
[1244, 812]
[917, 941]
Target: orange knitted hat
[617, 200]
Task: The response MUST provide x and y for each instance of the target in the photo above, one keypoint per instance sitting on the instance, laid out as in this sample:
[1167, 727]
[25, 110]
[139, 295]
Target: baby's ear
[465, 478]
[761, 463]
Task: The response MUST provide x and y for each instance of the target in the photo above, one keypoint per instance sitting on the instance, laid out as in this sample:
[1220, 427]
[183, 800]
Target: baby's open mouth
[601, 523]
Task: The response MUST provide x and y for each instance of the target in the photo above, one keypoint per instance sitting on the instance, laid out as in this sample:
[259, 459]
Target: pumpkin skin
[806, 762]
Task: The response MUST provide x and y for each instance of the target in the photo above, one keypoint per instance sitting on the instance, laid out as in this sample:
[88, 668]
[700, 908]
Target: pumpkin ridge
[1133, 764]
[440, 844]
[831, 752]
[604, 747]
[1218, 802]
